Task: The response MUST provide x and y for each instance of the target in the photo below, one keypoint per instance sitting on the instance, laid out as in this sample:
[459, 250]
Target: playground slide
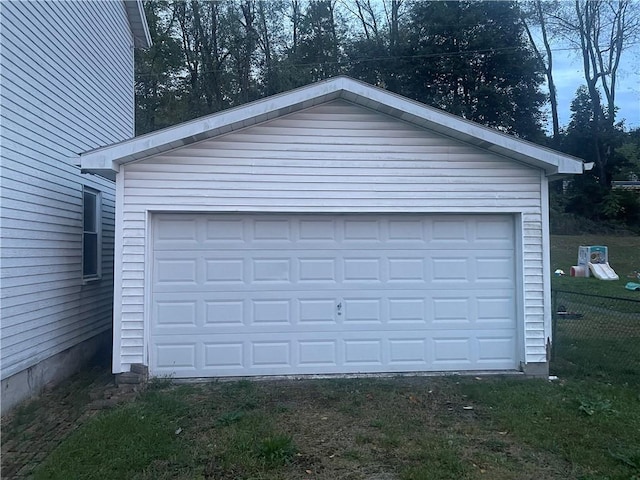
[603, 271]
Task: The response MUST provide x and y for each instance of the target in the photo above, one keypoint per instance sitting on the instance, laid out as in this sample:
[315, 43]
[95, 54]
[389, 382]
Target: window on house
[91, 222]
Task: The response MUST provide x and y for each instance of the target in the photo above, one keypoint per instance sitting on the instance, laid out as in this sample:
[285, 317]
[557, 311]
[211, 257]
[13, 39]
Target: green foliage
[598, 406]
[629, 151]
[438, 463]
[629, 456]
[230, 418]
[126, 440]
[158, 86]
[318, 51]
[594, 208]
[542, 413]
[469, 58]
[615, 153]
[594, 140]
[277, 450]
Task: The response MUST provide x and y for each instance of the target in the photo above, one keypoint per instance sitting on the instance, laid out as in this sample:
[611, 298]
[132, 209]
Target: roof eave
[551, 161]
[111, 157]
[138, 23]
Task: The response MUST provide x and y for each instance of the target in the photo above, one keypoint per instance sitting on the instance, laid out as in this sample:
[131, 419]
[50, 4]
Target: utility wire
[352, 62]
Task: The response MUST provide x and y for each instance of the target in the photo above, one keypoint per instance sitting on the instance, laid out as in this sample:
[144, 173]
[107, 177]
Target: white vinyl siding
[67, 87]
[332, 158]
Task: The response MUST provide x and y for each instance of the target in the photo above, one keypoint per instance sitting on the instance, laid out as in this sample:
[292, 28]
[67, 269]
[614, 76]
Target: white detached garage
[337, 228]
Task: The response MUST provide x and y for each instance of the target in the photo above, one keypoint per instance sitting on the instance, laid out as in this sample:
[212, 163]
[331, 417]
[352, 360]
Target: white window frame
[95, 232]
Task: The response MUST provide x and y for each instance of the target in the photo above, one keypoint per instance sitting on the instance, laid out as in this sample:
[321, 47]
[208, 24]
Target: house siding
[67, 87]
[336, 157]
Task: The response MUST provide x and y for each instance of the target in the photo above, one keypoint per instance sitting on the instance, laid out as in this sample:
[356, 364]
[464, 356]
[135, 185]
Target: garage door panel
[271, 270]
[176, 271]
[363, 352]
[408, 351]
[226, 231]
[267, 354]
[224, 271]
[361, 309]
[495, 349]
[451, 231]
[407, 269]
[495, 310]
[314, 230]
[179, 356]
[271, 230]
[499, 232]
[223, 356]
[271, 311]
[412, 231]
[407, 310]
[174, 231]
[388, 269]
[362, 229]
[314, 353]
[317, 269]
[287, 294]
[224, 313]
[483, 232]
[362, 269]
[316, 309]
[171, 313]
[494, 268]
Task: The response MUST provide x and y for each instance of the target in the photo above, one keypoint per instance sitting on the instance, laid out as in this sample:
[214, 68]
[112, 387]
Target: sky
[568, 76]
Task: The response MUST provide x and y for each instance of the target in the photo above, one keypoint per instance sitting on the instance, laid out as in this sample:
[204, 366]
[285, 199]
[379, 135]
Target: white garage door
[306, 294]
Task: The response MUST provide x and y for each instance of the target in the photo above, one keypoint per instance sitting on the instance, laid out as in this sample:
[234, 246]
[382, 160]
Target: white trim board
[106, 161]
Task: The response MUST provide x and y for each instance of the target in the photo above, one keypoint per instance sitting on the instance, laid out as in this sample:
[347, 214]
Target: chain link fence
[596, 336]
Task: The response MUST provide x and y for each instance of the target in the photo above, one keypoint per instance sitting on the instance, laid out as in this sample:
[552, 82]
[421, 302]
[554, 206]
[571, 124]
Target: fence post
[554, 321]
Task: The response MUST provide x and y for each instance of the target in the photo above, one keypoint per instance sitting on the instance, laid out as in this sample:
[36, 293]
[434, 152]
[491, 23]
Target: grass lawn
[605, 340]
[579, 427]
[404, 428]
[624, 258]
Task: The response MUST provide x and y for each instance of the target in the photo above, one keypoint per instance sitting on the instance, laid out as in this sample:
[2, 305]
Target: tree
[317, 53]
[367, 17]
[630, 151]
[537, 13]
[472, 59]
[157, 73]
[272, 42]
[588, 196]
[373, 50]
[602, 30]
[243, 50]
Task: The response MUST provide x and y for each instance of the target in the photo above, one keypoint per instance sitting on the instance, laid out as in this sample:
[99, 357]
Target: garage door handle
[339, 307]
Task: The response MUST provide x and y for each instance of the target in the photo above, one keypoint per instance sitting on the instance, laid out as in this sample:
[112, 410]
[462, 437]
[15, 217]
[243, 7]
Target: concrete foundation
[53, 370]
[536, 370]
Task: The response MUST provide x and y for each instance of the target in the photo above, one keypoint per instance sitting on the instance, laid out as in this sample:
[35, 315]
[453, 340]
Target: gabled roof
[106, 161]
[138, 23]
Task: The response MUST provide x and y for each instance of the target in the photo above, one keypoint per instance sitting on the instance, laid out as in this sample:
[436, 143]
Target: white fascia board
[138, 23]
[553, 163]
[97, 162]
[110, 157]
